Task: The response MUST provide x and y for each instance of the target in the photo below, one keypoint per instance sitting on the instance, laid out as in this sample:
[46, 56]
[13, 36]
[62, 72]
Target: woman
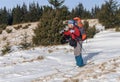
[75, 41]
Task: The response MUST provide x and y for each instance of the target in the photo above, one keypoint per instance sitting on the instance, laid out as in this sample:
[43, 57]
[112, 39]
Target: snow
[99, 27]
[57, 64]
[16, 36]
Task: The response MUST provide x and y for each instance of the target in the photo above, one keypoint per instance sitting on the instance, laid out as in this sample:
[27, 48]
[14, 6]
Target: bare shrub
[50, 51]
[24, 44]
[8, 30]
[6, 49]
[26, 26]
[0, 31]
[18, 27]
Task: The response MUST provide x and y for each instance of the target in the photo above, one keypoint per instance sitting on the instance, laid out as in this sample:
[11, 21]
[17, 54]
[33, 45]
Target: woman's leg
[78, 54]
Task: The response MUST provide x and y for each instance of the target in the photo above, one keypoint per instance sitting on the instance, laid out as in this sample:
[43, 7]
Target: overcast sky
[88, 4]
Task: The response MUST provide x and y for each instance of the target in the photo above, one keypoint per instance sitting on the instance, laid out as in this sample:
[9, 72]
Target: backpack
[72, 42]
[81, 28]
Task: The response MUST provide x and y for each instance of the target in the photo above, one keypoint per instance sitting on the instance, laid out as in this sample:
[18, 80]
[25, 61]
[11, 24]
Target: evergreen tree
[56, 3]
[86, 25]
[86, 14]
[49, 26]
[4, 16]
[65, 12]
[80, 11]
[35, 12]
[95, 11]
[107, 16]
[17, 15]
[24, 13]
[10, 18]
[117, 18]
[47, 8]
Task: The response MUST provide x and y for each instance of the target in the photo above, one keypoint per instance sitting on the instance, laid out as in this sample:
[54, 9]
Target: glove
[66, 28]
[72, 31]
[61, 31]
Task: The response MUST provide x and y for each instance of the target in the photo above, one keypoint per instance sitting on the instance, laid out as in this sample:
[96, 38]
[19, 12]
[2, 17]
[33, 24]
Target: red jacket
[75, 34]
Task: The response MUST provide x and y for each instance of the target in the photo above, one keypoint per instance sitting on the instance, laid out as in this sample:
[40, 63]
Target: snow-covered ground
[56, 64]
[16, 37]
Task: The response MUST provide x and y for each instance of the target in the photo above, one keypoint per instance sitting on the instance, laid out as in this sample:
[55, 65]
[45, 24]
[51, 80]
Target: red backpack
[81, 28]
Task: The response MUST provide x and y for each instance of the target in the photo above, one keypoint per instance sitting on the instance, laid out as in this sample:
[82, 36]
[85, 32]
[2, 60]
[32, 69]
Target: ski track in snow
[57, 64]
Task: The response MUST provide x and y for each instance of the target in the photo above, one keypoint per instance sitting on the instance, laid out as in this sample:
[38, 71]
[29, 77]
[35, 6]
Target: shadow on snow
[90, 56]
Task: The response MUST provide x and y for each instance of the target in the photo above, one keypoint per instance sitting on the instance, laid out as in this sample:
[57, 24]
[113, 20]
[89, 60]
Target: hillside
[16, 33]
[56, 63]
[92, 22]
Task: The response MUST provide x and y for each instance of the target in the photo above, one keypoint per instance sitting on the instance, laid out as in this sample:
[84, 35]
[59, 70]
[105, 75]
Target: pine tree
[56, 3]
[17, 15]
[107, 16]
[35, 12]
[80, 11]
[4, 16]
[95, 11]
[118, 17]
[49, 26]
[10, 18]
[24, 13]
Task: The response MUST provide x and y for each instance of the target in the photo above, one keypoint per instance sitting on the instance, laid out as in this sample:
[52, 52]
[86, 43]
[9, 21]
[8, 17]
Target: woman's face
[70, 25]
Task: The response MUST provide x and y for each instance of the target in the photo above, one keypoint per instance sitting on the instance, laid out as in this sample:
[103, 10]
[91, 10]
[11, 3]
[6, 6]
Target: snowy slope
[16, 36]
[57, 64]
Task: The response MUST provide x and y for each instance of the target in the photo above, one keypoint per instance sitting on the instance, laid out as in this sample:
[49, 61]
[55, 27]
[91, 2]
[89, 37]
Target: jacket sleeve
[67, 33]
[77, 32]
[74, 35]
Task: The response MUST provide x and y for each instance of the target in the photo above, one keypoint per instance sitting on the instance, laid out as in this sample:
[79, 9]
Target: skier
[75, 41]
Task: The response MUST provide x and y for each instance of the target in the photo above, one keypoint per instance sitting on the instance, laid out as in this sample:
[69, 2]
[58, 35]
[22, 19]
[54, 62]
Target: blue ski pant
[78, 54]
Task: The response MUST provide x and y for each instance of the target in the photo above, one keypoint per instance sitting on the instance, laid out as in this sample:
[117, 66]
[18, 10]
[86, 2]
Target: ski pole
[82, 47]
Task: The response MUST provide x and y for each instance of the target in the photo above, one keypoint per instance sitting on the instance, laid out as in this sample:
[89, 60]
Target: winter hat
[71, 22]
